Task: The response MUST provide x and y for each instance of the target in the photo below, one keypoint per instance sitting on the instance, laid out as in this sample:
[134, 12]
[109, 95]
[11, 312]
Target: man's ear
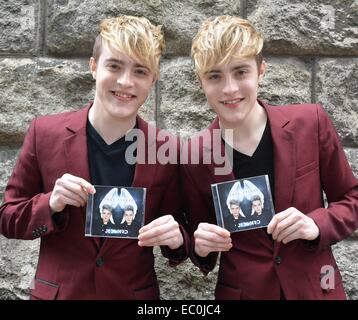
[155, 79]
[197, 76]
[262, 70]
[93, 67]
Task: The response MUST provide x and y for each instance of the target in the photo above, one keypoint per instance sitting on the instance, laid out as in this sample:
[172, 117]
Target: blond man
[64, 155]
[297, 147]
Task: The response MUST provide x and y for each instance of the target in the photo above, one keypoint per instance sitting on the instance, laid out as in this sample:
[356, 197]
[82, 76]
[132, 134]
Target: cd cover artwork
[243, 204]
[115, 212]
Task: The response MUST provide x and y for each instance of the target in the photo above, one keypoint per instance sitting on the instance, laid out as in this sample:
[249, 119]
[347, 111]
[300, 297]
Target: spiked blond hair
[221, 38]
[136, 37]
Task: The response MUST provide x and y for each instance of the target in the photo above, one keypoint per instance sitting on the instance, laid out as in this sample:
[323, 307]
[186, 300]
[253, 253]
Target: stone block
[324, 27]
[19, 23]
[337, 90]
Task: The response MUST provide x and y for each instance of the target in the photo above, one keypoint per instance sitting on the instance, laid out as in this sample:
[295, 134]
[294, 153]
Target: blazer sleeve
[25, 212]
[197, 211]
[340, 218]
[172, 204]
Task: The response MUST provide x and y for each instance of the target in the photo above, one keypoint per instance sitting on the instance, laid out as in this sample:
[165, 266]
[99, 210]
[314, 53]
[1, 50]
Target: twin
[63, 156]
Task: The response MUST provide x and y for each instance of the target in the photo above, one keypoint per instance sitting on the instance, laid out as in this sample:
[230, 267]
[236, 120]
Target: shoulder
[296, 110]
[49, 129]
[57, 122]
[298, 115]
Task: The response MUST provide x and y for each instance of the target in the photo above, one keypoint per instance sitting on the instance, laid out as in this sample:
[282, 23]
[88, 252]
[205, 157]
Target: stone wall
[311, 49]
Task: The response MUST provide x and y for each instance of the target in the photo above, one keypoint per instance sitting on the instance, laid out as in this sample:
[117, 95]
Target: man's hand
[163, 231]
[70, 190]
[292, 224]
[211, 238]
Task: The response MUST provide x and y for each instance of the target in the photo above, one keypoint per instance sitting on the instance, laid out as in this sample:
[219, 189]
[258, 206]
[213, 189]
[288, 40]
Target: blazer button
[278, 260]
[99, 262]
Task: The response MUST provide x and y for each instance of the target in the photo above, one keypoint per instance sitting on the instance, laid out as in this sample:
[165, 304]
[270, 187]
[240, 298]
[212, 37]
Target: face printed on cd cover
[115, 212]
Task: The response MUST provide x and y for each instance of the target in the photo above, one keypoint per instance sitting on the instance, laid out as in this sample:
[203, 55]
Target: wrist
[178, 243]
[202, 254]
[54, 208]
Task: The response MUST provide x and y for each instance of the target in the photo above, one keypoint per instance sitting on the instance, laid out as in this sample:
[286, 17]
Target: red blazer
[72, 266]
[308, 157]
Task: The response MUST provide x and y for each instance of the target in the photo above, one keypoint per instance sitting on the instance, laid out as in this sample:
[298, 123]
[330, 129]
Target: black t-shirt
[107, 163]
[260, 163]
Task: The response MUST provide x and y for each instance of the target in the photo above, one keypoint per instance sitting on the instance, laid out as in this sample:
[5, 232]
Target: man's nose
[125, 79]
[231, 85]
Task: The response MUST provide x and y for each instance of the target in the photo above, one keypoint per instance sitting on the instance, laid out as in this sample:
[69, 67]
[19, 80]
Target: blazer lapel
[76, 154]
[284, 157]
[76, 146]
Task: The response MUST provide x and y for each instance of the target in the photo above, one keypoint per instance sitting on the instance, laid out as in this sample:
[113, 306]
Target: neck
[245, 134]
[109, 128]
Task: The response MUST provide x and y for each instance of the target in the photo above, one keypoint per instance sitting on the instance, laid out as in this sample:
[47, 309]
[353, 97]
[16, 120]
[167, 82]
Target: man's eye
[113, 66]
[142, 72]
[213, 77]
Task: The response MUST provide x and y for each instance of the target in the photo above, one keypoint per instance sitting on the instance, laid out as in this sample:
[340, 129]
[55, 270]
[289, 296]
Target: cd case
[243, 204]
[115, 212]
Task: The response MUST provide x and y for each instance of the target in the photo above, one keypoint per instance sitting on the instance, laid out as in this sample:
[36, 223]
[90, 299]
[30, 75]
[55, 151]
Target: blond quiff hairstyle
[136, 37]
[221, 38]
